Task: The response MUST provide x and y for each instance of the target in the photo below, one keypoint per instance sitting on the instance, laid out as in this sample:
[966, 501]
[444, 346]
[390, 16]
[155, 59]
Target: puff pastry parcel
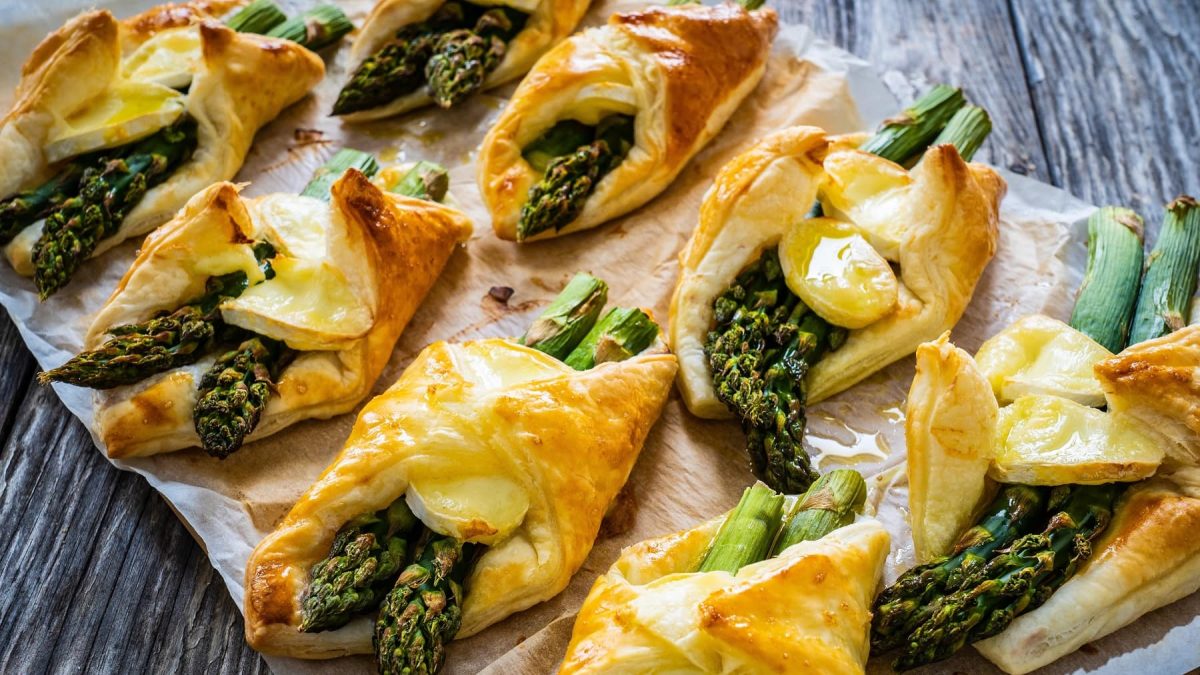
[938, 222]
[537, 25]
[488, 441]
[677, 72]
[348, 276]
[97, 85]
[807, 610]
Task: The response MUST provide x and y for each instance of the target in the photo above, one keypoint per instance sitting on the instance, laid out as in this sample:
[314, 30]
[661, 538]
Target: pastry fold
[1149, 557]
[240, 82]
[382, 250]
[549, 22]
[939, 221]
[1156, 384]
[806, 610]
[489, 441]
[680, 71]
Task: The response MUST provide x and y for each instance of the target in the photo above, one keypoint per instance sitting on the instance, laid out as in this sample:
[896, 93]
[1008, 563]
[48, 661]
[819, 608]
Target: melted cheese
[484, 509]
[126, 112]
[872, 193]
[1050, 440]
[596, 101]
[170, 58]
[833, 269]
[1040, 355]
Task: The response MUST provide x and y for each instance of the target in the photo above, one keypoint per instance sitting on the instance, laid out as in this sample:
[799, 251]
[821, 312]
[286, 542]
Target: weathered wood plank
[1113, 84]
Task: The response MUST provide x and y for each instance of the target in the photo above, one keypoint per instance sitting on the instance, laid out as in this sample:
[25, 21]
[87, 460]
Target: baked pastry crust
[685, 69]
[806, 610]
[1149, 557]
[390, 249]
[549, 22]
[940, 223]
[556, 443]
[1157, 384]
[243, 82]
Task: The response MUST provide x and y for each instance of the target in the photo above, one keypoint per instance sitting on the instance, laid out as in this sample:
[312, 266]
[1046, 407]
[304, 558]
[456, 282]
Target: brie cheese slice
[170, 59]
[126, 112]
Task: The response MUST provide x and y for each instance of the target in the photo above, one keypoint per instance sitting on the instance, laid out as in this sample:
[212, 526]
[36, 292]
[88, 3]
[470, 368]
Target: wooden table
[1096, 97]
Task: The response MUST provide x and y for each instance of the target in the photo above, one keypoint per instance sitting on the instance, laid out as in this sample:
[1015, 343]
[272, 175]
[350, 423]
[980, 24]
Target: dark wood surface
[97, 574]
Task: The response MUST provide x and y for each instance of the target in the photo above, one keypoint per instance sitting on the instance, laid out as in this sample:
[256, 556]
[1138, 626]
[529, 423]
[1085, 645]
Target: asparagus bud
[423, 612]
[234, 392]
[966, 131]
[260, 16]
[1105, 304]
[25, 208]
[316, 28]
[569, 318]
[746, 535]
[621, 334]
[463, 58]
[328, 174]
[831, 502]
[903, 139]
[1170, 281]
[362, 565]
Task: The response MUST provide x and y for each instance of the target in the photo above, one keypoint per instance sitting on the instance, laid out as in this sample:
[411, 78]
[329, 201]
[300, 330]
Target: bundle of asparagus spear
[1033, 539]
[765, 340]
[391, 562]
[90, 194]
[235, 390]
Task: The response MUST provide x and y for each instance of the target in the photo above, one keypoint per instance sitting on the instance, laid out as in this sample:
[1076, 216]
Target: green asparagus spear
[259, 17]
[831, 502]
[316, 28]
[966, 131]
[463, 58]
[423, 611]
[1106, 299]
[329, 173]
[1018, 579]
[1170, 280]
[557, 199]
[426, 180]
[25, 208]
[367, 556]
[621, 334]
[567, 320]
[746, 535]
[561, 139]
[903, 139]
[1017, 510]
[234, 392]
[73, 230]
[168, 341]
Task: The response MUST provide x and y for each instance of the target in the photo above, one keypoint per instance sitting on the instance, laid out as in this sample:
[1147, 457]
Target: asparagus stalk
[567, 320]
[260, 16]
[25, 208]
[831, 502]
[426, 180]
[137, 351]
[966, 131]
[1018, 579]
[1016, 511]
[746, 535]
[424, 610]
[561, 139]
[1164, 304]
[622, 333]
[234, 392]
[462, 58]
[328, 174]
[316, 28]
[903, 139]
[1105, 304]
[106, 195]
[367, 556]
[557, 199]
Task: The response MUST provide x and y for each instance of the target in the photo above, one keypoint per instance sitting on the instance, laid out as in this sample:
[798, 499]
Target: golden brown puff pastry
[681, 71]
[522, 452]
[938, 221]
[806, 610]
[549, 22]
[1157, 384]
[1148, 557]
[349, 276]
[240, 82]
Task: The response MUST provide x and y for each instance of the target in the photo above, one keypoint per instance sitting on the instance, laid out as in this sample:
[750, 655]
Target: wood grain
[99, 575]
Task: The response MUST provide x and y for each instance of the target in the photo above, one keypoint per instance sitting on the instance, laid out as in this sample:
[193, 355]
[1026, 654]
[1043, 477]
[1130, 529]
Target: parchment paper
[690, 469]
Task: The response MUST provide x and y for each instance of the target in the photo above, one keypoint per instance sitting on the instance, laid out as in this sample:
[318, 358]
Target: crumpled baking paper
[690, 469]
